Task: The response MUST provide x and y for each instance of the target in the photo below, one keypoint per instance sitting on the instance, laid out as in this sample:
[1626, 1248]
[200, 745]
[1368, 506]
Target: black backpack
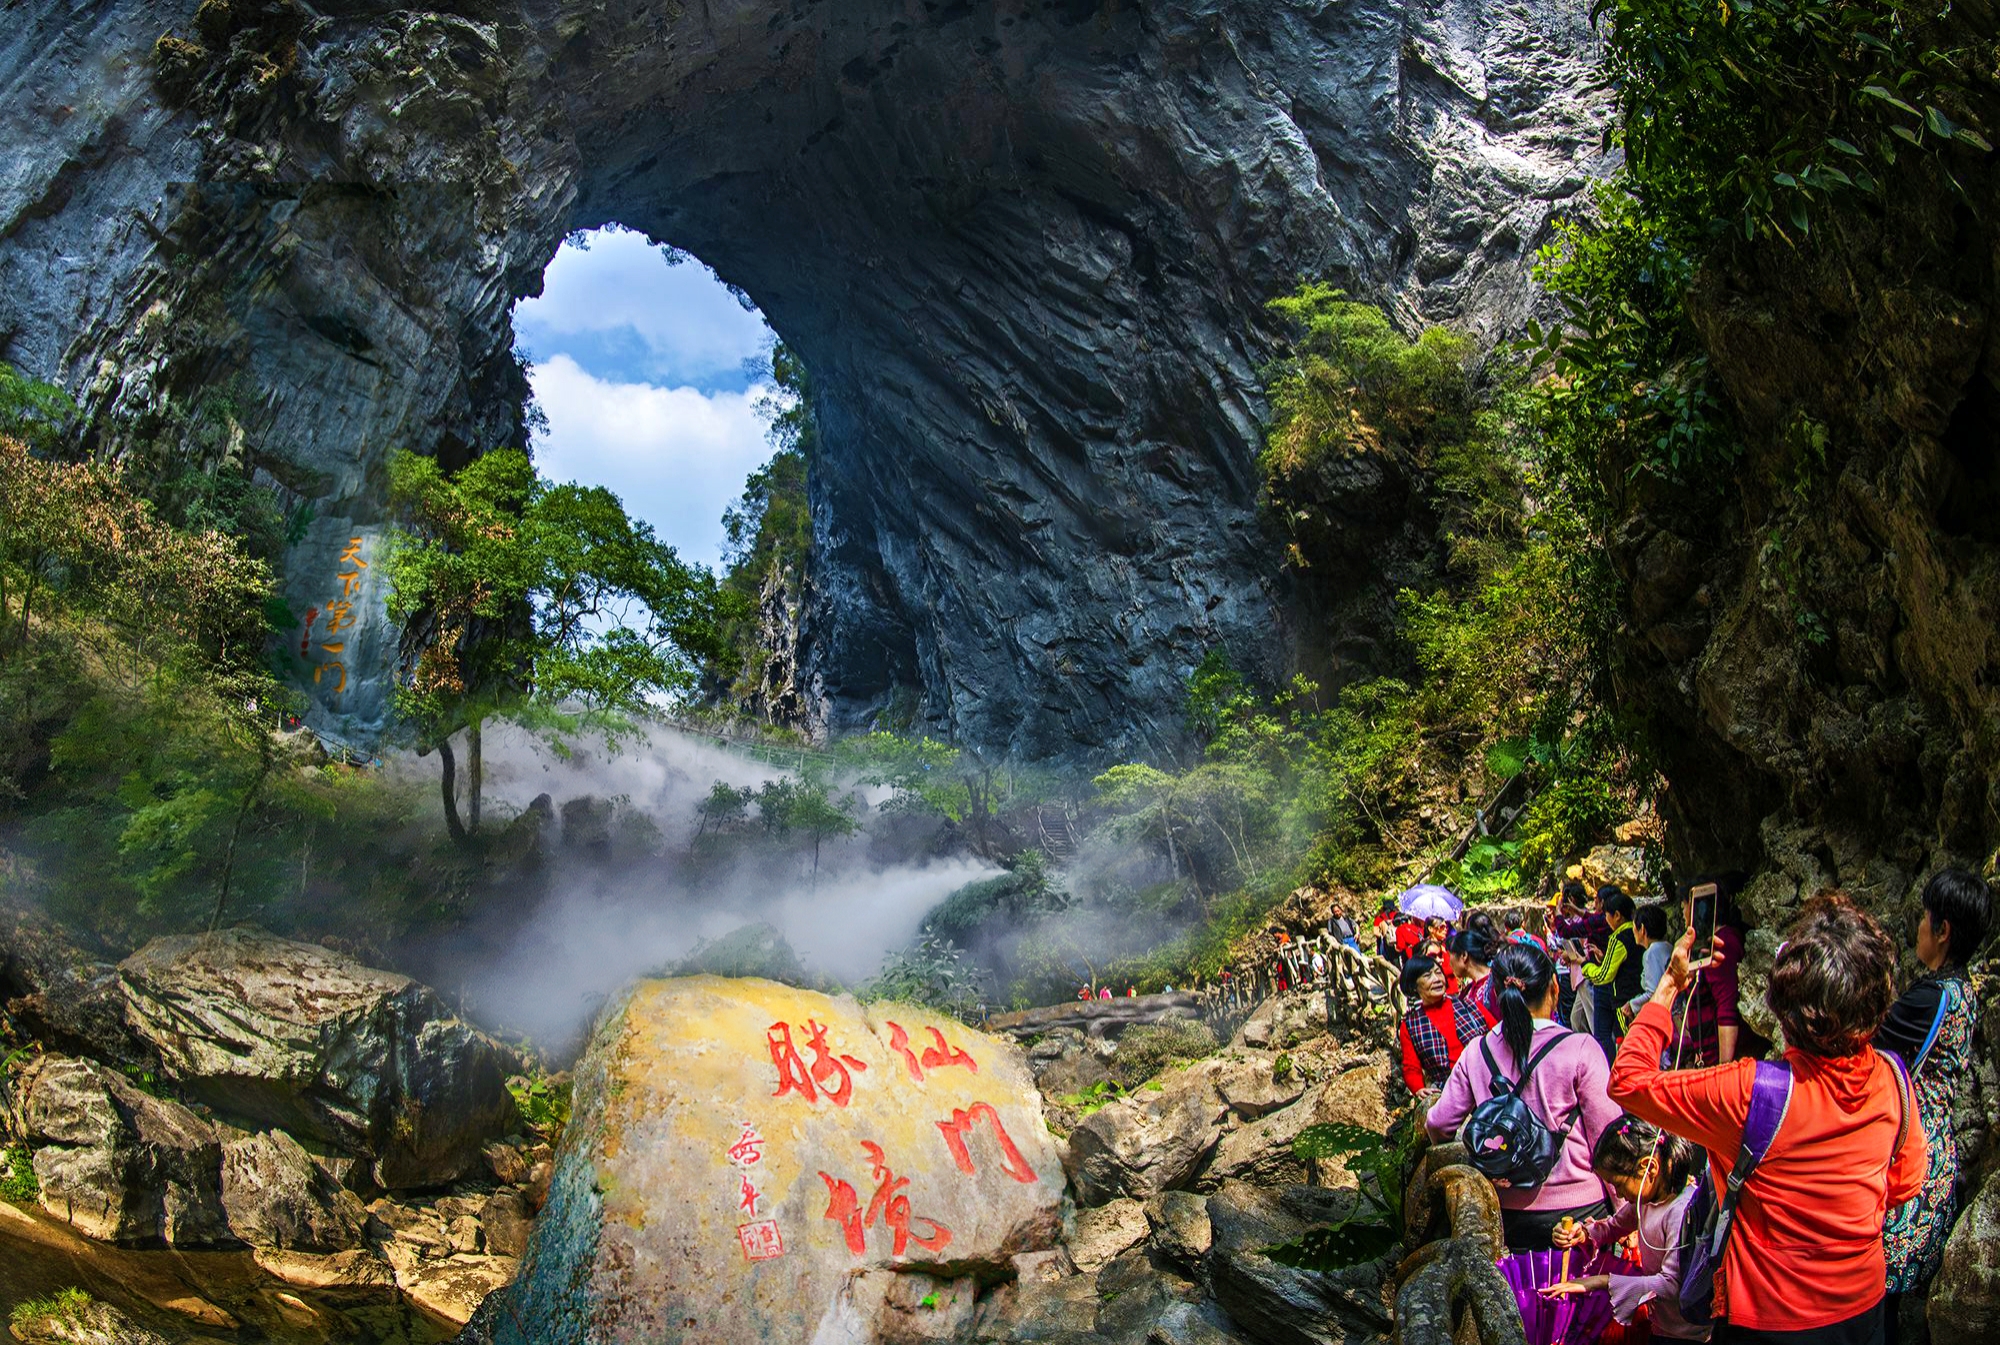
[1505, 1139]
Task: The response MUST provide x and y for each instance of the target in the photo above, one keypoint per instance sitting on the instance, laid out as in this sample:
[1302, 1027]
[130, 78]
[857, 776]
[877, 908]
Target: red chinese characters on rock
[888, 1207]
[794, 1076]
[748, 1151]
[956, 1129]
[938, 1055]
[760, 1240]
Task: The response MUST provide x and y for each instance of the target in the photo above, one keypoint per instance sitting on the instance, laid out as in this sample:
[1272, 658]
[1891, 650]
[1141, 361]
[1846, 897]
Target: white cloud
[675, 456]
[679, 324]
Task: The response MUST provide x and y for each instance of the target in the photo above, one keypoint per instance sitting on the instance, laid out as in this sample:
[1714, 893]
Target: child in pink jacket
[1653, 1175]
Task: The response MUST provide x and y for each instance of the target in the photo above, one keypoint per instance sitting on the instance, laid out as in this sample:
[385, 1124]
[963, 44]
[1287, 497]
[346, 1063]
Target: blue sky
[650, 375]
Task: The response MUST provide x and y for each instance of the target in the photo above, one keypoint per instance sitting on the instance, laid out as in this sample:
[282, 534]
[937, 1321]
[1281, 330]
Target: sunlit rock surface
[278, 1033]
[749, 1162]
[1023, 248]
[115, 1163]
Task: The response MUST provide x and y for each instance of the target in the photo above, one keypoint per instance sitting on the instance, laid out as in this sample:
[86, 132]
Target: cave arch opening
[653, 377]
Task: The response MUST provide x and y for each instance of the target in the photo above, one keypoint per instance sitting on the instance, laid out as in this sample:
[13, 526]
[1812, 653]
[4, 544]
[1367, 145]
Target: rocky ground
[240, 1137]
[257, 1103]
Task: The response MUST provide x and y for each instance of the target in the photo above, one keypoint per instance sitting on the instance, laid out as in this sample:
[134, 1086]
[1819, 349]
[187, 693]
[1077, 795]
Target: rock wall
[1023, 248]
[1813, 642]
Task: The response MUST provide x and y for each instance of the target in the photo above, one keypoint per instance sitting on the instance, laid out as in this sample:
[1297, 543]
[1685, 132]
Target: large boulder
[118, 1164]
[1279, 1304]
[1262, 1151]
[61, 988]
[1964, 1306]
[746, 1158]
[1159, 1138]
[277, 1197]
[291, 1035]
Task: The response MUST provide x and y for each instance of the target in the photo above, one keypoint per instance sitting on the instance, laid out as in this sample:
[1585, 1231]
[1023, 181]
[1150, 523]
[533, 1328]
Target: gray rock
[1262, 1152]
[1193, 1324]
[507, 1221]
[1148, 1143]
[275, 1196]
[61, 989]
[1103, 1234]
[1024, 254]
[1055, 1312]
[118, 1164]
[1964, 1302]
[1134, 1294]
[295, 1036]
[1179, 1221]
[1277, 1304]
[891, 1307]
[1249, 1084]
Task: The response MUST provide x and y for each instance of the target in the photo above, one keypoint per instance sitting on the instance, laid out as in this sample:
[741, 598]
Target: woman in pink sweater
[1565, 1091]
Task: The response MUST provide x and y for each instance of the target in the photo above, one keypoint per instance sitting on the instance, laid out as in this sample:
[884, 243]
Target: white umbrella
[1429, 901]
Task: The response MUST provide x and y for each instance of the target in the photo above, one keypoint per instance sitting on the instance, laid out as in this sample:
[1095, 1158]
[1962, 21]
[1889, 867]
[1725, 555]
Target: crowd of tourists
[1602, 1073]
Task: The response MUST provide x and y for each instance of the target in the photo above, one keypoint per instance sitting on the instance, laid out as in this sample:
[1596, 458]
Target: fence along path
[1358, 984]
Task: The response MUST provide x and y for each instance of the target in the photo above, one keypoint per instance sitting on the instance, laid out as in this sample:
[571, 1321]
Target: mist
[634, 894]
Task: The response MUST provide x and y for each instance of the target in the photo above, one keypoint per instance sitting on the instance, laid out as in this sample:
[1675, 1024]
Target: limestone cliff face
[1022, 246]
[1815, 644]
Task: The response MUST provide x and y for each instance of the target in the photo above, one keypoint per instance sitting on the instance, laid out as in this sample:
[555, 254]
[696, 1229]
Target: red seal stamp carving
[761, 1240]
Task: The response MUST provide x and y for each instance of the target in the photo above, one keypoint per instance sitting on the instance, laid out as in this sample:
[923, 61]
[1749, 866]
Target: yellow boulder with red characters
[752, 1162]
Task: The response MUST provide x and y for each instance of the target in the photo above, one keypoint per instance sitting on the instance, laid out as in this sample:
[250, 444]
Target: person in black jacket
[1931, 1029]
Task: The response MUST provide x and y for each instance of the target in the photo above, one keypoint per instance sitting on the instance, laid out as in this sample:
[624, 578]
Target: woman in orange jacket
[1804, 1262]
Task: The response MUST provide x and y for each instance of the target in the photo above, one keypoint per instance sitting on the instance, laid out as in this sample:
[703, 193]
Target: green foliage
[934, 972]
[1026, 893]
[767, 537]
[806, 807]
[755, 949]
[1147, 1050]
[544, 1103]
[1352, 1243]
[924, 773]
[1627, 381]
[67, 1306]
[1758, 116]
[1093, 1097]
[1374, 1225]
[526, 591]
[36, 413]
[18, 1184]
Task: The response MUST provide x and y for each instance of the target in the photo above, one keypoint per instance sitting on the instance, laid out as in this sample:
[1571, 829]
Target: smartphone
[1703, 919]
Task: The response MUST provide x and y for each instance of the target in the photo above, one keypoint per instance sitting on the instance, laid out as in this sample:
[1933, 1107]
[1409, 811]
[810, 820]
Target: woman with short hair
[1564, 1088]
[1436, 1027]
[1930, 1029]
[1804, 1263]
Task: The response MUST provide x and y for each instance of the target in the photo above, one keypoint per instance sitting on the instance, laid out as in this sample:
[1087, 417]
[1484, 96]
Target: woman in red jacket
[1804, 1262]
[1435, 1029]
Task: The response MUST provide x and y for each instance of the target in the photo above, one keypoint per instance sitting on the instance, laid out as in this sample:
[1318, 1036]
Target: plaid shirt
[1434, 1053]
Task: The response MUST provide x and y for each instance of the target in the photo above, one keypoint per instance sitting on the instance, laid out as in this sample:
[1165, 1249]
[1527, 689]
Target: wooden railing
[1360, 985]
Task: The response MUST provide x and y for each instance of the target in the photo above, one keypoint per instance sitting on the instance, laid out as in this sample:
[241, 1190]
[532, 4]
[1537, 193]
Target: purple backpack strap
[1770, 1099]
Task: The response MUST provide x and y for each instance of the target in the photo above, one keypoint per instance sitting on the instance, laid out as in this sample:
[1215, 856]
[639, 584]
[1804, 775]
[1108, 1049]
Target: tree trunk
[236, 832]
[449, 788]
[475, 774]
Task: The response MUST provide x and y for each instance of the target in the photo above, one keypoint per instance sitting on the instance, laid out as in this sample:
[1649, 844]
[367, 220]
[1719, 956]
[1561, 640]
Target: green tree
[526, 597]
[923, 772]
[805, 807]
